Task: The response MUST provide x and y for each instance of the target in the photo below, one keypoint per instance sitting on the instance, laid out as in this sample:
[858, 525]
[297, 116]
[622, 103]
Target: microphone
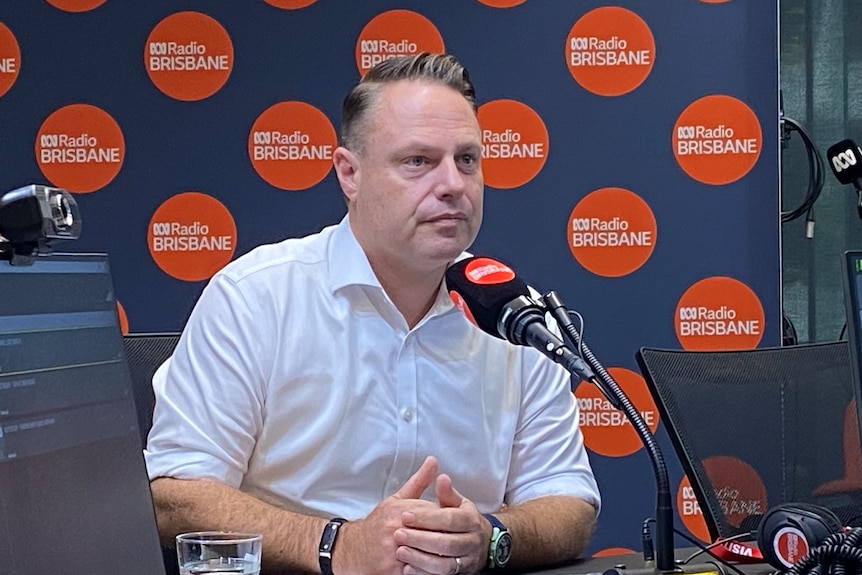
[845, 159]
[499, 303]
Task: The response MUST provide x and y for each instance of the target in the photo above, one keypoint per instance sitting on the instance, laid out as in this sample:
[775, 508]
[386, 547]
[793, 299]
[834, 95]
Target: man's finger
[419, 481]
[446, 493]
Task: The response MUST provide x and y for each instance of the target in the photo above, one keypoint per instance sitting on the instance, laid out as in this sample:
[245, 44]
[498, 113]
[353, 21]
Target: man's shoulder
[277, 258]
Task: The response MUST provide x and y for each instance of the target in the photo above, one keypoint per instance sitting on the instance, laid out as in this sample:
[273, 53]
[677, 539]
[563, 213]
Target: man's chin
[446, 253]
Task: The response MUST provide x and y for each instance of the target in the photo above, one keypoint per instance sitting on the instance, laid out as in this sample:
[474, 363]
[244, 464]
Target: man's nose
[452, 181]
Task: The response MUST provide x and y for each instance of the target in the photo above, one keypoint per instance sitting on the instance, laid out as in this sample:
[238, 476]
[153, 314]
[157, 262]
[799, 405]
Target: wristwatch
[327, 544]
[500, 548]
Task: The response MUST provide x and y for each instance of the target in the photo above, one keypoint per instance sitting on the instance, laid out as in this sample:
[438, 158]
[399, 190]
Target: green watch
[500, 548]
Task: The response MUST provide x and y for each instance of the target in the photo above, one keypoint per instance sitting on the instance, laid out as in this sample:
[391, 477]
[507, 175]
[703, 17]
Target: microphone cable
[815, 176]
[839, 554]
[647, 541]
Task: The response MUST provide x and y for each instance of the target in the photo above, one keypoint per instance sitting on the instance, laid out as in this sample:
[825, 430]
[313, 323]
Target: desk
[593, 565]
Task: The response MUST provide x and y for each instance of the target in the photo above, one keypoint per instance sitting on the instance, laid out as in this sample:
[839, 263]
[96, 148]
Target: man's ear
[346, 165]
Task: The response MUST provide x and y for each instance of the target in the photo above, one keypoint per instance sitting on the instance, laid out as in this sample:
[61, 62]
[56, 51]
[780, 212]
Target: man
[331, 376]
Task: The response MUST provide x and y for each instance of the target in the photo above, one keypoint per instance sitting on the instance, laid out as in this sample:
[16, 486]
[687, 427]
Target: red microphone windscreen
[480, 287]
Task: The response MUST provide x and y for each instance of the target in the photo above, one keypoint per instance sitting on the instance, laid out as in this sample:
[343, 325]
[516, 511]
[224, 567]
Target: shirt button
[407, 415]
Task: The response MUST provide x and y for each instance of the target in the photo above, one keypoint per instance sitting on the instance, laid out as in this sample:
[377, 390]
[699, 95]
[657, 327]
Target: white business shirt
[297, 381]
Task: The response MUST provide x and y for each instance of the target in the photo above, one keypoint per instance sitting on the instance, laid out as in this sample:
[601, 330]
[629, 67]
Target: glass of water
[205, 552]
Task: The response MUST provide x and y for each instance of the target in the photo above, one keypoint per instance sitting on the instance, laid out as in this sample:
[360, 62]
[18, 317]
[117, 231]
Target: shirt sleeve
[549, 456]
[210, 394]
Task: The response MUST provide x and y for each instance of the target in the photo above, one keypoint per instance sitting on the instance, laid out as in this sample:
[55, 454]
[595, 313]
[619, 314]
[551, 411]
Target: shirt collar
[348, 265]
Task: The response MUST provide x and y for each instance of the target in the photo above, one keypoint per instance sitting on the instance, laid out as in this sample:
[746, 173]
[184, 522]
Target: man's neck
[413, 292]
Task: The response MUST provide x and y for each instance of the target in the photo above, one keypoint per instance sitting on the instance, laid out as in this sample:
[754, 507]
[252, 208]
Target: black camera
[33, 218]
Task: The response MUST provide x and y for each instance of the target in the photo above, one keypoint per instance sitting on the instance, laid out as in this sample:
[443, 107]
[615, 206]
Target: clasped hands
[406, 535]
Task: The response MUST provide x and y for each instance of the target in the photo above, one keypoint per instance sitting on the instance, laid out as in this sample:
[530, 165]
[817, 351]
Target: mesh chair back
[758, 428]
[145, 352]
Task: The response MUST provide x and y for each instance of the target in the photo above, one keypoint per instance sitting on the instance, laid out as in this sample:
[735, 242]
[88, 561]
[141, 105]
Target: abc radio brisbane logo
[188, 56]
[76, 5]
[610, 51]
[10, 59]
[396, 33]
[191, 236]
[291, 144]
[290, 4]
[485, 271]
[514, 143]
[606, 429]
[611, 232]
[717, 139]
[80, 147]
[719, 313]
[739, 489]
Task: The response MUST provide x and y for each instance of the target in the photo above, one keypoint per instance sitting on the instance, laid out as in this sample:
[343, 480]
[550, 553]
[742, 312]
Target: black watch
[500, 547]
[327, 544]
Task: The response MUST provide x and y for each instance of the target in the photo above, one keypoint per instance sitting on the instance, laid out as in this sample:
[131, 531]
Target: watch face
[503, 549]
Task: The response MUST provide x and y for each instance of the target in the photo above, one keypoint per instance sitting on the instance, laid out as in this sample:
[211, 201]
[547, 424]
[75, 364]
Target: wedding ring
[457, 566]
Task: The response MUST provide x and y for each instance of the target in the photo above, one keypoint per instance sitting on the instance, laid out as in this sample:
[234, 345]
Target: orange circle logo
[612, 232]
[290, 4]
[689, 511]
[191, 236]
[396, 33]
[607, 431]
[717, 139]
[291, 145]
[76, 5]
[610, 51]
[80, 148]
[737, 486]
[514, 143]
[719, 313]
[188, 56]
[10, 59]
[611, 551]
[124, 319]
[501, 3]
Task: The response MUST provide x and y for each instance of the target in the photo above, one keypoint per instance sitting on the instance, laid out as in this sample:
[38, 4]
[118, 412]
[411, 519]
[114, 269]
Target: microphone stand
[664, 560]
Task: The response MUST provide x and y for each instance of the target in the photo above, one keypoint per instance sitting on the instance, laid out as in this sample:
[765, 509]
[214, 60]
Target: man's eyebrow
[411, 148]
[471, 147]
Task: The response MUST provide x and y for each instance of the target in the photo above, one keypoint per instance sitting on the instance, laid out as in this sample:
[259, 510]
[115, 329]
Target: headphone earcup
[788, 532]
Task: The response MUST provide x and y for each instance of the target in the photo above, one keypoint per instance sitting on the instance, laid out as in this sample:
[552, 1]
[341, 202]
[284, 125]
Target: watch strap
[498, 532]
[327, 544]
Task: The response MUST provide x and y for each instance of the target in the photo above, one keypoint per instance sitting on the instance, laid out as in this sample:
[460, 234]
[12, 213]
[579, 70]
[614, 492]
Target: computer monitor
[852, 276]
[74, 493]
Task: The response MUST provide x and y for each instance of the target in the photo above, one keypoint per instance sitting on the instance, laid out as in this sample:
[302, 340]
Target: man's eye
[416, 161]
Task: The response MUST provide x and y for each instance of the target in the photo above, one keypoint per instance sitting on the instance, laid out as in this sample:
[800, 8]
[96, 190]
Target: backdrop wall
[631, 160]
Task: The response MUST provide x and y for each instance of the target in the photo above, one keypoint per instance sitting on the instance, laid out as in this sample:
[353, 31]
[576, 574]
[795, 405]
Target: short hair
[441, 69]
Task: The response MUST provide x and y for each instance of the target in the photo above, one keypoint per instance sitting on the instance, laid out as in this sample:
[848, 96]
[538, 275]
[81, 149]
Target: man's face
[415, 187]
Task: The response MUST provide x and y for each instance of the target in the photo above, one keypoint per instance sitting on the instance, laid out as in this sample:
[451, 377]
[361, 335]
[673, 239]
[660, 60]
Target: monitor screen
[852, 275]
[74, 494]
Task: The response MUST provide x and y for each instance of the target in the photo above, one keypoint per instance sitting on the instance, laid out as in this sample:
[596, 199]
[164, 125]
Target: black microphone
[845, 159]
[499, 303]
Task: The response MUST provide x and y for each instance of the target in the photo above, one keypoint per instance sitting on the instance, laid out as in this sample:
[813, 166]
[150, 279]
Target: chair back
[145, 352]
[758, 428]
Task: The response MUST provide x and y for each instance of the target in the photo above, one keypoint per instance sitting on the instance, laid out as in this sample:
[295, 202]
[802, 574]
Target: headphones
[787, 533]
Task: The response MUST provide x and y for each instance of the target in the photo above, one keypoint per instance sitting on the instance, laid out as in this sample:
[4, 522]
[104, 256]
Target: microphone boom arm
[664, 509]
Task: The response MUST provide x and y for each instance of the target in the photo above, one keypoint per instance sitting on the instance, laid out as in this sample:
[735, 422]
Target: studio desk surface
[634, 563]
